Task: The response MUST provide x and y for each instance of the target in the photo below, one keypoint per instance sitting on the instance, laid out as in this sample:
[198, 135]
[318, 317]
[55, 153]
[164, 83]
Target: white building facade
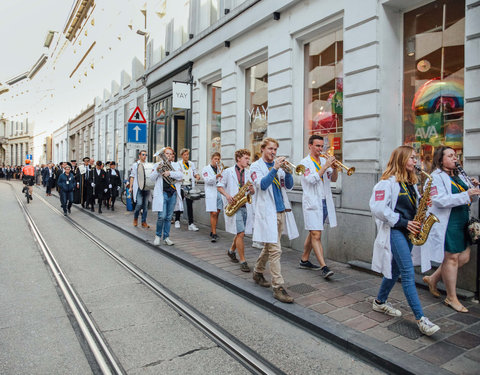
[60, 144]
[111, 118]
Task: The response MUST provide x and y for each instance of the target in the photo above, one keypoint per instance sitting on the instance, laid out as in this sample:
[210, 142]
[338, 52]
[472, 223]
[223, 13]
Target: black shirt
[406, 206]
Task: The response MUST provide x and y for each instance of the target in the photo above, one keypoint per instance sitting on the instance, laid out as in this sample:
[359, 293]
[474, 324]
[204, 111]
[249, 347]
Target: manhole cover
[405, 328]
[302, 288]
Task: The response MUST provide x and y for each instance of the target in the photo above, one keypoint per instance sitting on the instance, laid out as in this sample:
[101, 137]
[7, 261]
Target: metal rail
[232, 346]
[100, 350]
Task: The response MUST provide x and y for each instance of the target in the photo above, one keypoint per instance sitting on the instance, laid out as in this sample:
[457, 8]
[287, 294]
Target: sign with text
[182, 94]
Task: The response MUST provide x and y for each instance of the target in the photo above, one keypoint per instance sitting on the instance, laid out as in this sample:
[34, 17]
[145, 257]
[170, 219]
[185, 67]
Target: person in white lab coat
[213, 200]
[164, 196]
[394, 204]
[271, 205]
[317, 202]
[228, 185]
[139, 196]
[190, 176]
[447, 241]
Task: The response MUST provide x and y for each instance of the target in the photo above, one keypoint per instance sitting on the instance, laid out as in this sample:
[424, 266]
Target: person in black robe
[98, 182]
[114, 183]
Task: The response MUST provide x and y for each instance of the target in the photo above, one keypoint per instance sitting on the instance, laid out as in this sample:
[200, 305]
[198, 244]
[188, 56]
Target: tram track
[105, 358]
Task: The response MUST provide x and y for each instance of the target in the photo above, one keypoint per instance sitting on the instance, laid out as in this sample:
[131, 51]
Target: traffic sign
[136, 132]
[29, 157]
[137, 117]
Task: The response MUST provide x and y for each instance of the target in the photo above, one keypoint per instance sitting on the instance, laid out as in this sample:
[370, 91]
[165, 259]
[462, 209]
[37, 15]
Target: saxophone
[241, 198]
[426, 223]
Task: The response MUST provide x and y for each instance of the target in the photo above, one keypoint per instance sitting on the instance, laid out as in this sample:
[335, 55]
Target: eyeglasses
[143, 154]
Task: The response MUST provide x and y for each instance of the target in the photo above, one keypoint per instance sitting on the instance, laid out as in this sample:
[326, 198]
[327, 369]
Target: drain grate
[302, 288]
[405, 328]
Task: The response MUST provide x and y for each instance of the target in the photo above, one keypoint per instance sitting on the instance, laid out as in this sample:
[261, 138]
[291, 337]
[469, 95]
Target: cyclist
[28, 176]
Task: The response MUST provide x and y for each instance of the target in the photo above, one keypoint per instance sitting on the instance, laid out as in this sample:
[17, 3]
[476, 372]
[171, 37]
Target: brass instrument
[426, 223]
[164, 165]
[242, 197]
[349, 171]
[288, 167]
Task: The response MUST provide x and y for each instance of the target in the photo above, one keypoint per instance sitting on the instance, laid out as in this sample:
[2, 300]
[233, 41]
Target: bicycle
[27, 195]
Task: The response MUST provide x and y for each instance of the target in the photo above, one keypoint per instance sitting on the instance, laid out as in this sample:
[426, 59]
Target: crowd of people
[254, 200]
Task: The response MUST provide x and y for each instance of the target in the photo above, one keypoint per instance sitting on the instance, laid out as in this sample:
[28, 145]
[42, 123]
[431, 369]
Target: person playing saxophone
[394, 204]
[230, 183]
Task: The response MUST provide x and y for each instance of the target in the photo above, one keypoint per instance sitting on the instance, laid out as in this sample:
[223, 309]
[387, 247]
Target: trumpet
[288, 167]
[349, 171]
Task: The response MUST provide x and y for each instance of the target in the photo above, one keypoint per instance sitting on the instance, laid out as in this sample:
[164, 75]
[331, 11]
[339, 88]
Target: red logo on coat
[205, 174]
[379, 195]
[307, 172]
[433, 191]
[254, 176]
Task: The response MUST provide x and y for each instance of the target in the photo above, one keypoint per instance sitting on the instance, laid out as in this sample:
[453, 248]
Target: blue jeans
[142, 203]
[402, 265]
[165, 216]
[64, 197]
[325, 210]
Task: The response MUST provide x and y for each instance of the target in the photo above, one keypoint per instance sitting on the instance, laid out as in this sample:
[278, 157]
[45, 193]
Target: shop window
[257, 106]
[433, 77]
[214, 121]
[160, 124]
[324, 91]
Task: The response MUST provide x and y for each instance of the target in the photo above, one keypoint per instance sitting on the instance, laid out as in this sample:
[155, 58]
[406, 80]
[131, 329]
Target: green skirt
[456, 236]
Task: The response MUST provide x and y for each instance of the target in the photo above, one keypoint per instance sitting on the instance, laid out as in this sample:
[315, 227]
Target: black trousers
[189, 204]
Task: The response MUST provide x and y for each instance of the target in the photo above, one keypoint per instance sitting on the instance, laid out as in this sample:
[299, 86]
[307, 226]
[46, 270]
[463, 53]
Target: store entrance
[179, 132]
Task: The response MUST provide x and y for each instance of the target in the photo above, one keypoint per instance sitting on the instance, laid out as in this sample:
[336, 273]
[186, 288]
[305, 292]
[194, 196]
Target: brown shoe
[432, 288]
[260, 280]
[244, 267]
[145, 225]
[233, 256]
[135, 222]
[281, 294]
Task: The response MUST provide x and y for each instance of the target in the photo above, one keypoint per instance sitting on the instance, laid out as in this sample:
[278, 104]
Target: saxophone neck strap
[407, 191]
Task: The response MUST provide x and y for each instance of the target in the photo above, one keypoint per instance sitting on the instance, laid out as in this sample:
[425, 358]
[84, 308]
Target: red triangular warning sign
[137, 116]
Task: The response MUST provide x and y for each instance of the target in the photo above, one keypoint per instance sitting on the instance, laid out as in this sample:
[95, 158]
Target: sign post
[137, 127]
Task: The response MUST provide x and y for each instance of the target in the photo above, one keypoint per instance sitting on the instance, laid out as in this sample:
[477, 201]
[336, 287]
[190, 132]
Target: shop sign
[181, 95]
[337, 143]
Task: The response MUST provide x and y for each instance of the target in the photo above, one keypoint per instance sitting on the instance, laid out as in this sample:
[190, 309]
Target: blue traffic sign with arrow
[137, 127]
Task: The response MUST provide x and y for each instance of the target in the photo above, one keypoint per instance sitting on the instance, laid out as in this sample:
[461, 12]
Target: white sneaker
[168, 242]
[192, 227]
[427, 327]
[386, 308]
[177, 224]
[156, 241]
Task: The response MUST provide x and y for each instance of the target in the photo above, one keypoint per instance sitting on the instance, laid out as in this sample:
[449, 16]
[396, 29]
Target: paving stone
[378, 317]
[462, 365]
[381, 333]
[464, 339]
[405, 327]
[323, 307]
[439, 353]
[361, 323]
[448, 326]
[406, 344]
[362, 307]
[311, 299]
[474, 329]
[342, 301]
[436, 311]
[343, 314]
[474, 355]
[332, 293]
[358, 296]
[465, 318]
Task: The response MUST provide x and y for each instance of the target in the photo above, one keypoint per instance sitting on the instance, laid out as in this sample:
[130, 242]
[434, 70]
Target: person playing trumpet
[164, 196]
[317, 202]
[238, 224]
[213, 199]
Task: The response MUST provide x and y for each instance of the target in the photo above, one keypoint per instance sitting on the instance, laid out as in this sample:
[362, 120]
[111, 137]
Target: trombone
[288, 167]
[349, 171]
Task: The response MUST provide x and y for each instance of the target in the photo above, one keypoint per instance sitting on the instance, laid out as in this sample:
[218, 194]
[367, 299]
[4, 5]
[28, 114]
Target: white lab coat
[382, 204]
[134, 174]
[265, 223]
[178, 186]
[192, 171]
[211, 192]
[442, 202]
[229, 182]
[314, 190]
[155, 176]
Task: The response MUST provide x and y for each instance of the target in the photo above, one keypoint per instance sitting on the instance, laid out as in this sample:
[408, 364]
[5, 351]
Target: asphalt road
[144, 332]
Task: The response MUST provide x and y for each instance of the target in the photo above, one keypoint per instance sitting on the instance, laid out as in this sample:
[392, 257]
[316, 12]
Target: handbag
[473, 230]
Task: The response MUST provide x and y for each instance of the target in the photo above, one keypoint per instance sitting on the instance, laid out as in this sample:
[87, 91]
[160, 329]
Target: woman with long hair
[394, 204]
[447, 241]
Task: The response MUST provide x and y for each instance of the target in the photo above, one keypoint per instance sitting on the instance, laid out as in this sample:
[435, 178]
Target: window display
[214, 121]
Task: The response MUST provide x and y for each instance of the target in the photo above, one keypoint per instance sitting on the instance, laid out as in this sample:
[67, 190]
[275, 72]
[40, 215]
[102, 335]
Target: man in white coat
[139, 196]
[317, 202]
[164, 196]
[229, 185]
[270, 183]
[213, 200]
[190, 176]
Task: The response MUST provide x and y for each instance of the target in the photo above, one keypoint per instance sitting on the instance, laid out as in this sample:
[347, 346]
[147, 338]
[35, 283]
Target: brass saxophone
[426, 223]
[241, 198]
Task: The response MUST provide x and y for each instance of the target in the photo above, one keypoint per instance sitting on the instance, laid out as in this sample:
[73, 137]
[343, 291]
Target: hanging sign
[182, 93]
